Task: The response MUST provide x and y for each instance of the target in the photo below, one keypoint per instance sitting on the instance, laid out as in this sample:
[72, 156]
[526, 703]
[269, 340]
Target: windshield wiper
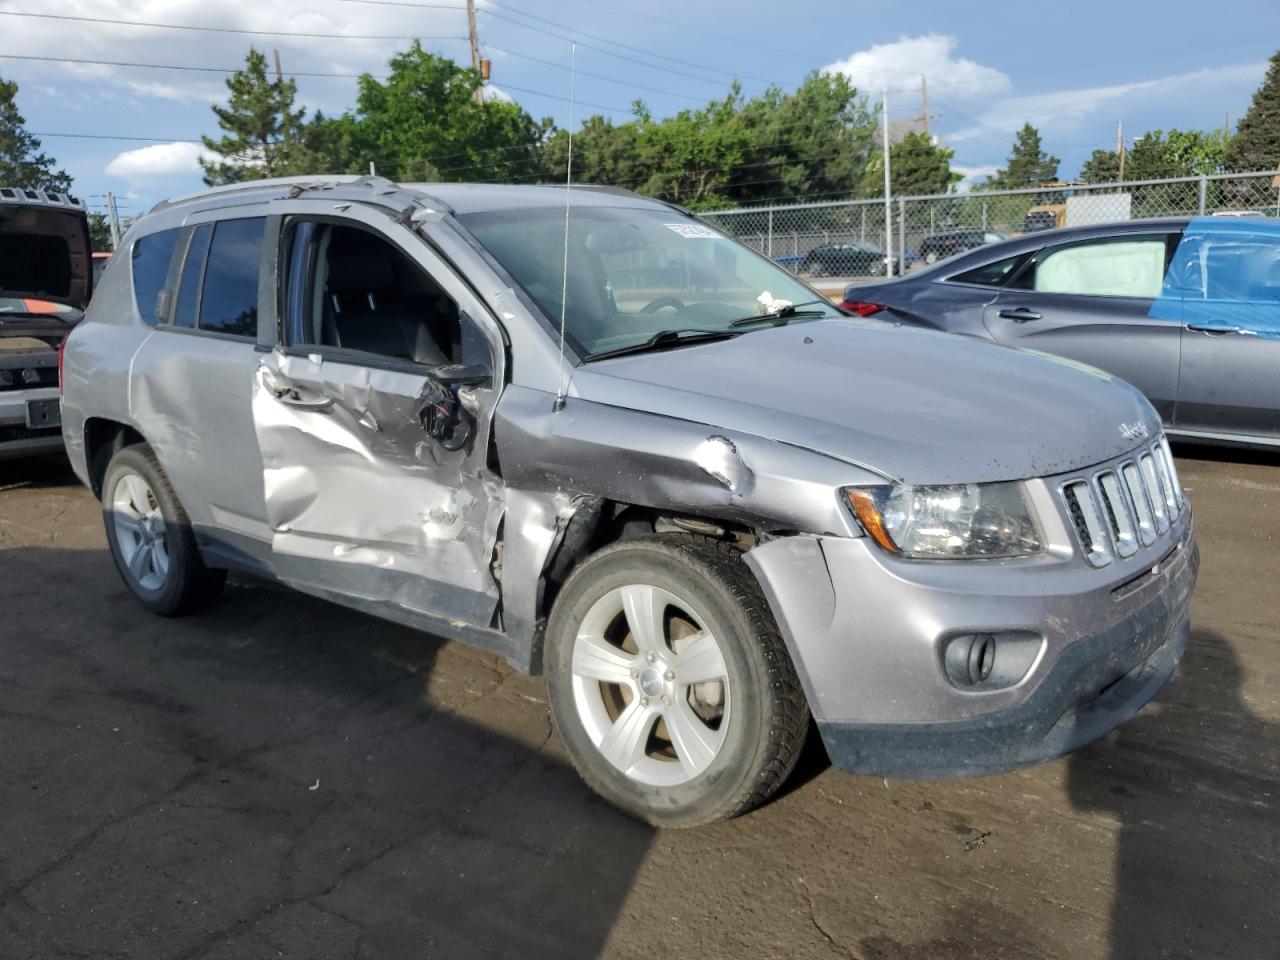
[789, 312]
[663, 339]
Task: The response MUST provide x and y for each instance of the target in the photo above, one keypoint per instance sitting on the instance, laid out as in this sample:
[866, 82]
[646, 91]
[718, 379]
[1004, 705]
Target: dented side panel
[351, 480]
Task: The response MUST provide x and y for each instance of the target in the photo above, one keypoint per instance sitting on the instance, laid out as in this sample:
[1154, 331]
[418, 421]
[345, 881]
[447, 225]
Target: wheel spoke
[125, 521]
[596, 658]
[140, 562]
[700, 660]
[696, 744]
[624, 744]
[160, 557]
[139, 497]
[644, 607]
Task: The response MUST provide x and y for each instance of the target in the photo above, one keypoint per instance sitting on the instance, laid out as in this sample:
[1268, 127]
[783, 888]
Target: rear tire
[669, 682]
[150, 536]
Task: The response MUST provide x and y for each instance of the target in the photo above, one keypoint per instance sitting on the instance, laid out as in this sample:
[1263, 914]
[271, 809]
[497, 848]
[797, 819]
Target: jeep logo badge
[1134, 431]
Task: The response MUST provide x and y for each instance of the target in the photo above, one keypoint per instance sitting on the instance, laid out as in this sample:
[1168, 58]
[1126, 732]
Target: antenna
[564, 275]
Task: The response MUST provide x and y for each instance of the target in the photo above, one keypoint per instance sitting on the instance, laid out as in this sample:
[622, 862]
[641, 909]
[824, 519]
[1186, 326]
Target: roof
[44, 198]
[462, 198]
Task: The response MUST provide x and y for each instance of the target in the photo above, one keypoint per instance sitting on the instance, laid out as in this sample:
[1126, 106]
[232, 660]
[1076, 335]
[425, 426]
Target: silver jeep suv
[614, 446]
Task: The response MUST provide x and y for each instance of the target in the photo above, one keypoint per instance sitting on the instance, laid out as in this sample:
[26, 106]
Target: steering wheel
[658, 303]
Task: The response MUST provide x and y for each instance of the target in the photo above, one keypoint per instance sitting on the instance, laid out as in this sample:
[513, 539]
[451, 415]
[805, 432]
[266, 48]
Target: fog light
[30, 375]
[990, 661]
[6, 378]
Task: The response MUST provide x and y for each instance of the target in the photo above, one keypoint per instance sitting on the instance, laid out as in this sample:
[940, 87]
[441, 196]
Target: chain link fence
[847, 238]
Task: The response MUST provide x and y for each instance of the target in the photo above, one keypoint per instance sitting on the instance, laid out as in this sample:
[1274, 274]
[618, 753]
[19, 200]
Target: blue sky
[989, 68]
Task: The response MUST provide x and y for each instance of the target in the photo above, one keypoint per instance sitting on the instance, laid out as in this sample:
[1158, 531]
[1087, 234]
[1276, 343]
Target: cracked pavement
[280, 777]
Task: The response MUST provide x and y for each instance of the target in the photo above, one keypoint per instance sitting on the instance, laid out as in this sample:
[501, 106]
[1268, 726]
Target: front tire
[150, 536]
[669, 682]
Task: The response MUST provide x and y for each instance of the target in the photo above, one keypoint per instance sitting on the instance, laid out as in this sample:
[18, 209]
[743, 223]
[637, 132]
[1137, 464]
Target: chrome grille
[1124, 505]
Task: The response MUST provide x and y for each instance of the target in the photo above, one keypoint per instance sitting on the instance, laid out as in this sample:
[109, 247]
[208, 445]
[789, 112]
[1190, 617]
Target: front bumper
[866, 632]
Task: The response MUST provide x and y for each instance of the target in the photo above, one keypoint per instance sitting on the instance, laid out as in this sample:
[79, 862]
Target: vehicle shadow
[279, 776]
[50, 470]
[1186, 883]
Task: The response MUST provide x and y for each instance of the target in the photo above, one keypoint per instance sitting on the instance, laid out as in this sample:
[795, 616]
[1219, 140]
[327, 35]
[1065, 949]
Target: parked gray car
[45, 281]
[1187, 310]
[725, 508]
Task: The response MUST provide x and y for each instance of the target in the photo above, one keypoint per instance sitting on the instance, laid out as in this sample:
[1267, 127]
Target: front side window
[229, 295]
[1226, 266]
[633, 272]
[349, 288]
[187, 308]
[150, 259]
[1129, 267]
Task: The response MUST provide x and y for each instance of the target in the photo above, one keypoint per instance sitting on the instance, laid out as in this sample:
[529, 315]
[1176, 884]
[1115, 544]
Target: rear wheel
[150, 536]
[669, 682]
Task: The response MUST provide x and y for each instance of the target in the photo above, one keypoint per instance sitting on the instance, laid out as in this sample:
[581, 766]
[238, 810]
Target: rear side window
[188, 306]
[151, 257]
[1132, 267]
[229, 295]
[991, 274]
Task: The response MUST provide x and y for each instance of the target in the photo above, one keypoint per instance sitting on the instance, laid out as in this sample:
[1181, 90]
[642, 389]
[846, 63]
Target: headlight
[957, 521]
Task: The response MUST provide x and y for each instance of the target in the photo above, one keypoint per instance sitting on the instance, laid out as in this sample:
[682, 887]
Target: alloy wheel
[651, 685]
[140, 531]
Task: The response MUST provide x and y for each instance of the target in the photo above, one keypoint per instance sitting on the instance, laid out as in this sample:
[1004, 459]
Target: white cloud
[1064, 111]
[972, 175]
[898, 66]
[159, 159]
[123, 43]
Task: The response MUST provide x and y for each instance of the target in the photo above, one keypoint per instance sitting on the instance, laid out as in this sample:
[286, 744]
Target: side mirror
[454, 375]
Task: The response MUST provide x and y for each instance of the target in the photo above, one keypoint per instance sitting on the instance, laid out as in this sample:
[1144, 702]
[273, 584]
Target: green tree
[263, 131]
[916, 167]
[813, 142]
[1256, 145]
[1029, 165]
[603, 153]
[1155, 156]
[689, 158]
[21, 162]
[423, 122]
[99, 232]
[1102, 167]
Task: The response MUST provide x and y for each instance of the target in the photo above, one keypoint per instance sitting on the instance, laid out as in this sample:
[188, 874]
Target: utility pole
[924, 97]
[1120, 147]
[279, 72]
[888, 207]
[113, 219]
[475, 46]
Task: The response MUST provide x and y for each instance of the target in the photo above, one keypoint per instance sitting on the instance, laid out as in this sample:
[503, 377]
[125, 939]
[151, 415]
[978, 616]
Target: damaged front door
[373, 418]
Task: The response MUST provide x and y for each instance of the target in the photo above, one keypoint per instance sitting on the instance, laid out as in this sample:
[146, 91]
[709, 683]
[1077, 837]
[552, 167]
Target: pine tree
[264, 132]
[917, 167]
[1256, 145]
[1029, 165]
[21, 163]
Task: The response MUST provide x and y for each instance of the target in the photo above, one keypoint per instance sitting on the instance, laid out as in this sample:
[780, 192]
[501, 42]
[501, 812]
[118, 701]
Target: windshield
[633, 272]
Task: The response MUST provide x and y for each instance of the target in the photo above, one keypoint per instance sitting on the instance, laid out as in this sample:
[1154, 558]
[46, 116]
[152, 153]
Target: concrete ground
[278, 777]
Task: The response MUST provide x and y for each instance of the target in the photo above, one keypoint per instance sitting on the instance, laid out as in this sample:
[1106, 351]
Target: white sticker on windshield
[692, 231]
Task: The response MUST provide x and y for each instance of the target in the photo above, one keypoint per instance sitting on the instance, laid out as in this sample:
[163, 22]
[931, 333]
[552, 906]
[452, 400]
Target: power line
[609, 53]
[205, 29]
[168, 66]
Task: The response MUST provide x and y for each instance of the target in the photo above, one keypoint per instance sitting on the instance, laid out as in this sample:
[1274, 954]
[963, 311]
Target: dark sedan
[939, 246]
[844, 260]
[1187, 310]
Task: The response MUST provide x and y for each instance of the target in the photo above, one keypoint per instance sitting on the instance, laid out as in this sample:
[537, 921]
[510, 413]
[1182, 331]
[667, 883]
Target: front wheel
[669, 683]
[150, 536]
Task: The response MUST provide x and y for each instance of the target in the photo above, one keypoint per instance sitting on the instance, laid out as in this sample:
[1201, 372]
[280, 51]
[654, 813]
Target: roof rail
[313, 182]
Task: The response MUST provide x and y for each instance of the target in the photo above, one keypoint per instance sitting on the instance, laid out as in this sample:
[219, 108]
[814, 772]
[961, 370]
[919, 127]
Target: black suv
[939, 246]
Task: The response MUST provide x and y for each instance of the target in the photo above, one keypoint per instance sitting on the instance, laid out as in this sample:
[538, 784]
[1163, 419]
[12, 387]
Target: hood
[44, 248]
[913, 405]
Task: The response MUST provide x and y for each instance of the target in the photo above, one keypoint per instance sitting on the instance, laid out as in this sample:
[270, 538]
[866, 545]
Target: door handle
[288, 393]
[1021, 315]
[1211, 329]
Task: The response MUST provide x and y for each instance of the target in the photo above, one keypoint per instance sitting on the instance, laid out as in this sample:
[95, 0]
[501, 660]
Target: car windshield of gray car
[635, 273]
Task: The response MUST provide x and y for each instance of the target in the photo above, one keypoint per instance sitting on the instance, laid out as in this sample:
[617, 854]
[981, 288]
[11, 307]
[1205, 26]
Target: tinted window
[151, 255]
[184, 313]
[1106, 268]
[229, 301]
[991, 274]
